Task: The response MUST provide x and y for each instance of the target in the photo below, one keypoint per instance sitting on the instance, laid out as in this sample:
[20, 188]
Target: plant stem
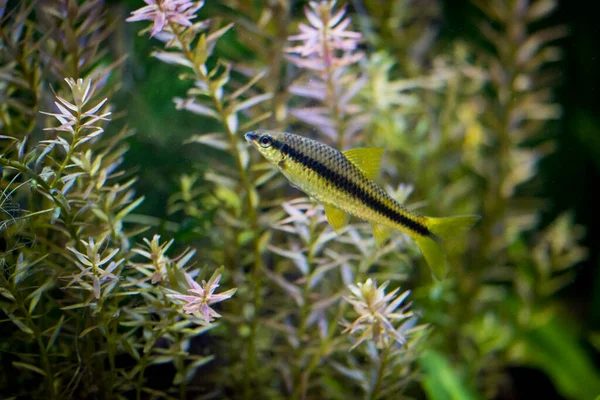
[156, 334]
[38, 336]
[281, 11]
[300, 390]
[28, 73]
[380, 373]
[332, 95]
[248, 187]
[109, 335]
[304, 375]
[65, 162]
[301, 380]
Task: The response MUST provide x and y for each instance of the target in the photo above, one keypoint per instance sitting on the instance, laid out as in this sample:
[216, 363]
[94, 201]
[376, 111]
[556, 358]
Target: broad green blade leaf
[555, 349]
[441, 382]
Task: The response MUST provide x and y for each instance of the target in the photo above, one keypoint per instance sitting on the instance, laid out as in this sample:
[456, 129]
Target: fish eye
[265, 140]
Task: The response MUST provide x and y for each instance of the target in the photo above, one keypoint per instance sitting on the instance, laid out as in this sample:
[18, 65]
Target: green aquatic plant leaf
[18, 364]
[20, 324]
[36, 295]
[55, 332]
[121, 214]
[554, 348]
[441, 382]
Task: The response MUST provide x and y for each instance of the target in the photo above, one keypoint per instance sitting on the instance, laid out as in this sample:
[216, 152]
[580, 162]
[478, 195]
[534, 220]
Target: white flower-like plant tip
[378, 313]
[326, 40]
[92, 266]
[156, 254]
[160, 12]
[73, 115]
[200, 297]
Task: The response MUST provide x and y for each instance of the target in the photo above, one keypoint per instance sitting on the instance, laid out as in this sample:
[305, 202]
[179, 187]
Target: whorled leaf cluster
[82, 312]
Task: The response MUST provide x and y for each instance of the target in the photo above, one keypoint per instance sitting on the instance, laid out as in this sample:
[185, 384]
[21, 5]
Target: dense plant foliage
[98, 299]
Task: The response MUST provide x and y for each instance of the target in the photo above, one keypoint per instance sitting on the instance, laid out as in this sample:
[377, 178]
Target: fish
[344, 182]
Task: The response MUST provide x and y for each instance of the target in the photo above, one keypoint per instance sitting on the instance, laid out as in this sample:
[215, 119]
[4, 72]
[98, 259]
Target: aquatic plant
[70, 283]
[237, 287]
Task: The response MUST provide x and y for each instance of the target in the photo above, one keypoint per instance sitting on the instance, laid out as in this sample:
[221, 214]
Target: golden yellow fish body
[343, 182]
[327, 175]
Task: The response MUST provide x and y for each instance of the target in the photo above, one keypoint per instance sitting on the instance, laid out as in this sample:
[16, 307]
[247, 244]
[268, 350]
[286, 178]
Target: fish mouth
[251, 136]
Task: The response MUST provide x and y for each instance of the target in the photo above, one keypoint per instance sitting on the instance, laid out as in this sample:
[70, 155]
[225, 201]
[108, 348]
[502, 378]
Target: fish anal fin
[381, 233]
[337, 218]
[367, 160]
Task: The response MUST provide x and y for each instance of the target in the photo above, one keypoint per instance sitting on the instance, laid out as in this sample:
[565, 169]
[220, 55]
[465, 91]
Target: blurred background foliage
[565, 178]
[520, 317]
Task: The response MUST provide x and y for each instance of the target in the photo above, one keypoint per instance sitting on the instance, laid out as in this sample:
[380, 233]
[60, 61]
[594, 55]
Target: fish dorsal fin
[368, 160]
[336, 217]
[381, 234]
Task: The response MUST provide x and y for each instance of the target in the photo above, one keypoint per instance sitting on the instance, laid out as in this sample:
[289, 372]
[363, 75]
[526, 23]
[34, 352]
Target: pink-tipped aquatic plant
[234, 286]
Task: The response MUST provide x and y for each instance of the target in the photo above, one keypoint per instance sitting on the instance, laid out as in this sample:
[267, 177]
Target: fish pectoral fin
[337, 218]
[381, 233]
[367, 160]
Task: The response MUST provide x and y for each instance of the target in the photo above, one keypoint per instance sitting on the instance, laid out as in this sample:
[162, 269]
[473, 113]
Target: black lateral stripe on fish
[349, 187]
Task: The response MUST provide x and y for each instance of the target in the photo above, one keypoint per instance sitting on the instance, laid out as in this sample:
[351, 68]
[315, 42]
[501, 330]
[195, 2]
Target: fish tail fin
[442, 229]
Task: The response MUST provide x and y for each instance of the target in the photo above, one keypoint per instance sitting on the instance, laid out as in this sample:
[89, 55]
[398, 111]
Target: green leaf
[129, 208]
[248, 85]
[6, 293]
[30, 367]
[75, 306]
[161, 359]
[201, 52]
[18, 323]
[213, 37]
[130, 349]
[100, 214]
[230, 198]
[88, 330]
[23, 266]
[201, 361]
[37, 294]
[556, 350]
[441, 382]
[255, 121]
[55, 332]
[251, 102]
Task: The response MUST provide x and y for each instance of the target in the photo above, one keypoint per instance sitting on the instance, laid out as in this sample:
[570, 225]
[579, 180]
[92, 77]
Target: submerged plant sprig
[20, 69]
[378, 313]
[200, 297]
[74, 118]
[155, 253]
[75, 39]
[328, 51]
[326, 41]
[163, 12]
[78, 120]
[71, 224]
[312, 271]
[211, 97]
[91, 265]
